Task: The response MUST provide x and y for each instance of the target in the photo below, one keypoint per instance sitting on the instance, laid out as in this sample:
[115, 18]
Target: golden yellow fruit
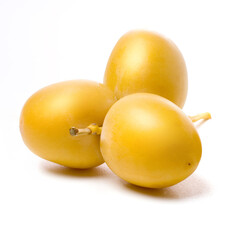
[49, 113]
[144, 61]
[148, 141]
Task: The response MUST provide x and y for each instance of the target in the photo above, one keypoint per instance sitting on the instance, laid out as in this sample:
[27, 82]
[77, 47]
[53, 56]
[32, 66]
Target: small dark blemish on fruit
[189, 164]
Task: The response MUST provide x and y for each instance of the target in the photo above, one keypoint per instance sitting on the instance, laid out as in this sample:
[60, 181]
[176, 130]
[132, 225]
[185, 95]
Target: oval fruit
[49, 113]
[143, 61]
[148, 141]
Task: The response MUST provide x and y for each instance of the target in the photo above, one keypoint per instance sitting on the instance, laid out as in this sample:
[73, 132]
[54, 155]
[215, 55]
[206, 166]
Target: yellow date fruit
[148, 141]
[49, 113]
[147, 62]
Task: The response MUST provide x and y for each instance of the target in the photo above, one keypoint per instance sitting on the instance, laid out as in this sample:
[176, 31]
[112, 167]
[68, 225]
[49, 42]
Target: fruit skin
[143, 61]
[148, 141]
[49, 113]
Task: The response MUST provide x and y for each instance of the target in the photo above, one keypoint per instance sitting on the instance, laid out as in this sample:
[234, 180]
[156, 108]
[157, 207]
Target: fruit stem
[204, 116]
[92, 129]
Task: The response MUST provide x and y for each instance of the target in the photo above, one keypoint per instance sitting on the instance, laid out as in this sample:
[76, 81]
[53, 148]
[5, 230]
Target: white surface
[42, 42]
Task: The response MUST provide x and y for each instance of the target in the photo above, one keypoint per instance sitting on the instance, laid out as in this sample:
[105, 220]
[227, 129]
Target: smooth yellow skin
[48, 115]
[144, 61]
[148, 141]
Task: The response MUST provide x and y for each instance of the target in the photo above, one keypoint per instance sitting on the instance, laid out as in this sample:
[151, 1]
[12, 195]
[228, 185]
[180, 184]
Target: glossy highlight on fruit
[147, 62]
[49, 113]
[148, 141]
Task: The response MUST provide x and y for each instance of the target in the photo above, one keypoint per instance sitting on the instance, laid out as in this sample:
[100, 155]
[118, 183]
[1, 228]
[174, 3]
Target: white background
[43, 42]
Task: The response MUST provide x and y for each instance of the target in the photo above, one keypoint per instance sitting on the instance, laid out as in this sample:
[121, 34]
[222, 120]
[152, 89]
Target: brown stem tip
[93, 129]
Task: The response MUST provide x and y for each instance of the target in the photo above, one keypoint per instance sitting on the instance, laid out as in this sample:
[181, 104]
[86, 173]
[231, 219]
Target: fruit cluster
[133, 121]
